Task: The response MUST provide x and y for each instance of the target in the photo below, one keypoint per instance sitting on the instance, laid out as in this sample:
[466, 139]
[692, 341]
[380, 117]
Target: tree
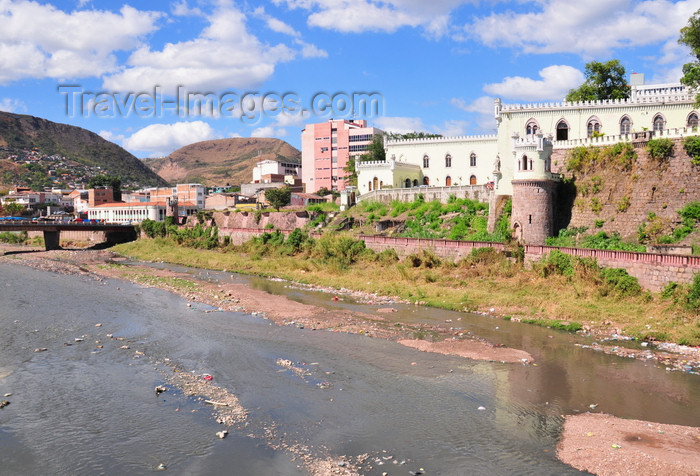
[603, 81]
[278, 197]
[108, 181]
[350, 172]
[375, 152]
[690, 36]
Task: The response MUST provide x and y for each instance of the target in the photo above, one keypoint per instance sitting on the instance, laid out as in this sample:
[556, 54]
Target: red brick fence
[652, 270]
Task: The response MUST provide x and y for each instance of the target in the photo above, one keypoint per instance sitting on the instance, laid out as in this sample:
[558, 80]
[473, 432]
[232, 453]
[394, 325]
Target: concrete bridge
[52, 230]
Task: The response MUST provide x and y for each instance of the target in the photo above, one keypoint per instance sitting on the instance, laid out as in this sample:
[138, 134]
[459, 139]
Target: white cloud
[589, 28]
[311, 51]
[225, 55]
[12, 105]
[182, 9]
[161, 139]
[399, 124]
[453, 128]
[483, 107]
[555, 83]
[268, 131]
[111, 136]
[374, 15]
[38, 41]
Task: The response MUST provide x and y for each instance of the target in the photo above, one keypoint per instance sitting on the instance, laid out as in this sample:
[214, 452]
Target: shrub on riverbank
[12, 237]
[574, 291]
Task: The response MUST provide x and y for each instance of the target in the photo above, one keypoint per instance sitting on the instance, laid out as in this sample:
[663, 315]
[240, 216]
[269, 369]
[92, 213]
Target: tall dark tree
[278, 197]
[603, 81]
[375, 152]
[690, 36]
[108, 181]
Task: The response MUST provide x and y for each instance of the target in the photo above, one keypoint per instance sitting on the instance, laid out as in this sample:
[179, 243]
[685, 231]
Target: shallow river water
[80, 409]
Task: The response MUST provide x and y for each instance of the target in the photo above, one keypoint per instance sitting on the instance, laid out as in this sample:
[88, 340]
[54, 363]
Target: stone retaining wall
[654, 271]
[446, 249]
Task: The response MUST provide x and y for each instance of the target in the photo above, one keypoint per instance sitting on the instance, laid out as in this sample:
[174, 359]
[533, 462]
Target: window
[693, 120]
[426, 162]
[531, 128]
[625, 126]
[523, 164]
[407, 183]
[426, 180]
[448, 160]
[448, 181]
[562, 131]
[659, 123]
[593, 127]
[472, 160]
[472, 180]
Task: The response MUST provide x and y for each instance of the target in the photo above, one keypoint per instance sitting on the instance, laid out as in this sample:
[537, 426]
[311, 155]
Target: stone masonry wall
[650, 186]
[653, 271]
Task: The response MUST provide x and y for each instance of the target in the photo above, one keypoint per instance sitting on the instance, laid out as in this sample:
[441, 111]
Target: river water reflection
[77, 408]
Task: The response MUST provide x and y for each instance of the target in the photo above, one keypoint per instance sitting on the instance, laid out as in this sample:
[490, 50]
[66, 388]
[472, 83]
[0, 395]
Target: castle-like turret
[534, 187]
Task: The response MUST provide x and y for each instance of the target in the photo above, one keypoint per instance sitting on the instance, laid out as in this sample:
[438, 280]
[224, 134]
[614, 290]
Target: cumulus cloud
[483, 109]
[224, 55]
[161, 139]
[39, 41]
[374, 15]
[12, 105]
[555, 82]
[111, 136]
[268, 131]
[399, 124]
[182, 9]
[600, 27]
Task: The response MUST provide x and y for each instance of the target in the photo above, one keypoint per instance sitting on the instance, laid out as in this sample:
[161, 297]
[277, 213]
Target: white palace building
[520, 153]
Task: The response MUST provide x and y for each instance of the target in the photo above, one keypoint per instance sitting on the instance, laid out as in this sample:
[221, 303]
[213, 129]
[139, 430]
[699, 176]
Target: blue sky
[436, 65]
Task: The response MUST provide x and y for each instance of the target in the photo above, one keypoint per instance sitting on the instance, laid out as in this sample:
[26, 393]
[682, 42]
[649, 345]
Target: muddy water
[81, 409]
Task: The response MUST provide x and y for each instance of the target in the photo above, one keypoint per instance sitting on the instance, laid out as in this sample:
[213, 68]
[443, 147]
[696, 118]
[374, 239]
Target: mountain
[220, 162]
[21, 133]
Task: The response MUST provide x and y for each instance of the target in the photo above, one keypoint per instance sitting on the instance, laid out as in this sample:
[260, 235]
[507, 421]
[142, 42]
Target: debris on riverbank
[608, 446]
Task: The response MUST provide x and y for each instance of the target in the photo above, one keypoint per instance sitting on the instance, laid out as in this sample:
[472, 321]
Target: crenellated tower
[534, 188]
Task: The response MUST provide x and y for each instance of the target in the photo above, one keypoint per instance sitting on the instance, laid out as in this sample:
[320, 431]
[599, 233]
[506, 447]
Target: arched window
[472, 160]
[448, 181]
[562, 131]
[407, 183]
[375, 182]
[369, 185]
[415, 182]
[593, 127]
[625, 126]
[426, 161]
[426, 180]
[523, 165]
[531, 128]
[659, 123]
[472, 180]
[448, 160]
[693, 120]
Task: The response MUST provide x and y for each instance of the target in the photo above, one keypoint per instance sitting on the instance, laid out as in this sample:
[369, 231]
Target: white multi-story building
[517, 160]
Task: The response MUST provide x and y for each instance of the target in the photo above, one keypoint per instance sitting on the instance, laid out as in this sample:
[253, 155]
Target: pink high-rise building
[326, 148]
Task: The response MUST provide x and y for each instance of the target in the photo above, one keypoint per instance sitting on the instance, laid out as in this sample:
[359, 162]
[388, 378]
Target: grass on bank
[560, 292]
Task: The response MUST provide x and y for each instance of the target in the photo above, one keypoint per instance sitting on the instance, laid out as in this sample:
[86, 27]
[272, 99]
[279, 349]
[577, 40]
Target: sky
[155, 76]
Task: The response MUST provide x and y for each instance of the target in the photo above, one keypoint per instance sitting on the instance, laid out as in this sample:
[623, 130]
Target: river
[86, 404]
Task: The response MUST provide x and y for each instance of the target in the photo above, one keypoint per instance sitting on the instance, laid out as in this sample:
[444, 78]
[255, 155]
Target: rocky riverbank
[578, 447]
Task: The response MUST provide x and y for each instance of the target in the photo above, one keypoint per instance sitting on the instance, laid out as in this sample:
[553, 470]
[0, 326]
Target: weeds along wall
[614, 196]
[653, 271]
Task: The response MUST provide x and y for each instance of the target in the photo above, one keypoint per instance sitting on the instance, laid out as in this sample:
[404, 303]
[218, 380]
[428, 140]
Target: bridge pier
[52, 240]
